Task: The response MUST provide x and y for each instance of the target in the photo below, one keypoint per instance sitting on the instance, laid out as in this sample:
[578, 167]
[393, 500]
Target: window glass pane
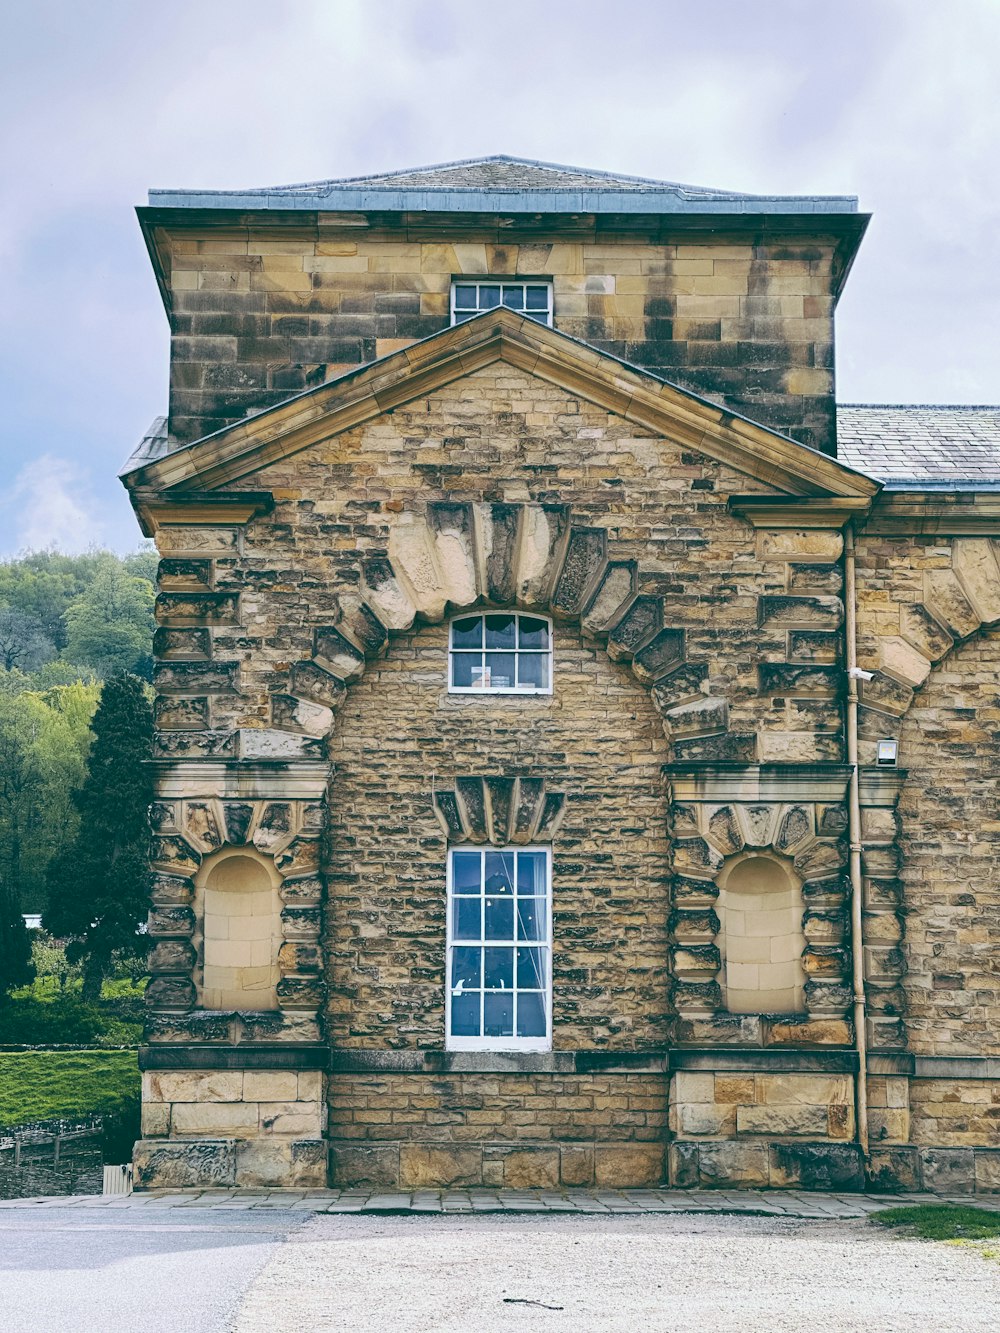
[465, 1015]
[531, 872]
[533, 671]
[465, 867]
[530, 918]
[501, 669]
[461, 315]
[498, 1018]
[500, 632]
[465, 968]
[481, 675]
[498, 969]
[530, 1015]
[530, 969]
[500, 919]
[532, 632]
[467, 632]
[538, 298]
[499, 872]
[488, 297]
[513, 297]
[467, 919]
[466, 668]
[465, 297]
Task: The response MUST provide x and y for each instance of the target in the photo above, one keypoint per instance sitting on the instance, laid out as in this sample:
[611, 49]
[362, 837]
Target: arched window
[761, 941]
[240, 917]
[502, 652]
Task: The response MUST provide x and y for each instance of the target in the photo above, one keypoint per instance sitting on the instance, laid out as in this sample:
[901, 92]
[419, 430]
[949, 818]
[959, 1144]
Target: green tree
[109, 626]
[44, 739]
[23, 644]
[99, 882]
[43, 583]
[16, 967]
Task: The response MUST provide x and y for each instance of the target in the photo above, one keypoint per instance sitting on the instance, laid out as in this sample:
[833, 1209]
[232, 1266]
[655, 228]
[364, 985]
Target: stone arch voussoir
[706, 837]
[957, 602]
[534, 557]
[186, 833]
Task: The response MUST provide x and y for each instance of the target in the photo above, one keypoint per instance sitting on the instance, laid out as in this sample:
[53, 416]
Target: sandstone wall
[598, 739]
[760, 614]
[950, 842]
[259, 315]
[513, 1130]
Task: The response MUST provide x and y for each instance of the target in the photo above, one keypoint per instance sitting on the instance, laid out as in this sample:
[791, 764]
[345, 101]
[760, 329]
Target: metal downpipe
[854, 834]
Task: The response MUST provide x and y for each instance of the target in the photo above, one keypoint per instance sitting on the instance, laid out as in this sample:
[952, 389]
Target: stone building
[576, 738]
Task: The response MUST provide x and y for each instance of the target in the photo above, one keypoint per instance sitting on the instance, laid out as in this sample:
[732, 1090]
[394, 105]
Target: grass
[50, 1085]
[47, 1014]
[958, 1224]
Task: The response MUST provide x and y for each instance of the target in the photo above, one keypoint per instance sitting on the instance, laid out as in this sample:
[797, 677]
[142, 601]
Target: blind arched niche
[239, 912]
[760, 911]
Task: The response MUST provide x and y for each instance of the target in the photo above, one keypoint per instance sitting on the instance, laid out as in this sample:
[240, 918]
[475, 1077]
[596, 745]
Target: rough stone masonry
[763, 956]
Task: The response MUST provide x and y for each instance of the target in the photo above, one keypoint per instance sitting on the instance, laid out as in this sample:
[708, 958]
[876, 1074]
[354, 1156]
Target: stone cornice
[799, 512]
[198, 508]
[500, 335]
[945, 514]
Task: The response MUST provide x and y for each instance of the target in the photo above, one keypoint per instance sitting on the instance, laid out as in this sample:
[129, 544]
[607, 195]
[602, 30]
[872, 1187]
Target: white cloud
[52, 506]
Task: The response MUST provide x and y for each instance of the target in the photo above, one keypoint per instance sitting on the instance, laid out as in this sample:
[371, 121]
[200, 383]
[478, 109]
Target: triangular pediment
[229, 456]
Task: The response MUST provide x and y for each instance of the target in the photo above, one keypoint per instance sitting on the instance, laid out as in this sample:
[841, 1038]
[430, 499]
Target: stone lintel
[765, 1061]
[721, 783]
[170, 1057]
[261, 780]
[498, 1062]
[799, 512]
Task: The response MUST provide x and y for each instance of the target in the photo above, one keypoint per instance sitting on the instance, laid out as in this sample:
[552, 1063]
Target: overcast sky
[893, 100]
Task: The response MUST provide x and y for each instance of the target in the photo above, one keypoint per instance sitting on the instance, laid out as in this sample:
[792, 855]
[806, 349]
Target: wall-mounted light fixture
[885, 753]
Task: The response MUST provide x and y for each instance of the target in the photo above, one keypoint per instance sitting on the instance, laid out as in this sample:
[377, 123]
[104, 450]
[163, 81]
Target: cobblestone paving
[766, 1203]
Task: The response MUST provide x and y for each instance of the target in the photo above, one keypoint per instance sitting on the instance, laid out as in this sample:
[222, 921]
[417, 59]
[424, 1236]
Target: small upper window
[504, 653]
[527, 298]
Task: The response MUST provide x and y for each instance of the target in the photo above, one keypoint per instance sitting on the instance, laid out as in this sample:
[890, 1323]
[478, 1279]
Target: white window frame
[513, 652]
[501, 281]
[513, 1042]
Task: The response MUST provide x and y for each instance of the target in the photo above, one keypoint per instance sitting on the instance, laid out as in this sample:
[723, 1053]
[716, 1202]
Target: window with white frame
[499, 978]
[527, 298]
[502, 652]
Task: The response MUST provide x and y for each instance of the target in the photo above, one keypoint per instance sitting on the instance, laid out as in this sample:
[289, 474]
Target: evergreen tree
[16, 968]
[99, 883]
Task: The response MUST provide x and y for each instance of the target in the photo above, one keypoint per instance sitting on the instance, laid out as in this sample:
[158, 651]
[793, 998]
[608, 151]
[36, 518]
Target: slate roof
[945, 447]
[153, 445]
[502, 172]
[502, 182]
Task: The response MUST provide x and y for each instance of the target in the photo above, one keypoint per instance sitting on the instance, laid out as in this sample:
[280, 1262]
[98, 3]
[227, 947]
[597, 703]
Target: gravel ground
[653, 1273]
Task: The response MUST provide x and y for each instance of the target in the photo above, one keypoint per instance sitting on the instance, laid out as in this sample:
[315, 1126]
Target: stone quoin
[528, 620]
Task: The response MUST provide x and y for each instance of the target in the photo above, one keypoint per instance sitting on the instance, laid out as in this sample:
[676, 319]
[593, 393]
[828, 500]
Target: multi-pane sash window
[499, 984]
[527, 298]
[505, 653]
